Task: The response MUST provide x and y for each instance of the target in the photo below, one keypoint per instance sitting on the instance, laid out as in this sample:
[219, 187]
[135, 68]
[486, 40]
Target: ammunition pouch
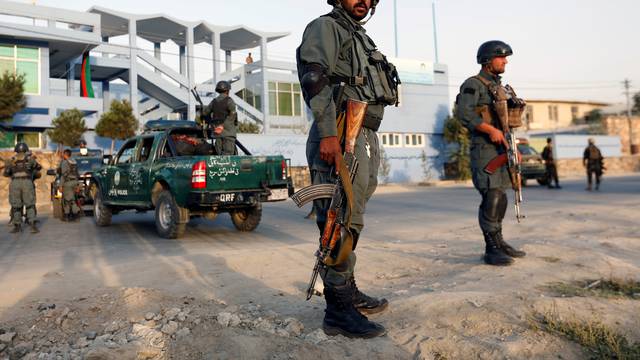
[372, 121]
[485, 113]
[508, 108]
[383, 79]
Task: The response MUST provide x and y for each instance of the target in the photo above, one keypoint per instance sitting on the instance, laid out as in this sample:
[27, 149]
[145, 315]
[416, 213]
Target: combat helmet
[491, 49]
[223, 86]
[374, 3]
[21, 148]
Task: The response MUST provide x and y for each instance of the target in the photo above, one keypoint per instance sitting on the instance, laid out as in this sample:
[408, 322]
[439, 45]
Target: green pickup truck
[173, 169]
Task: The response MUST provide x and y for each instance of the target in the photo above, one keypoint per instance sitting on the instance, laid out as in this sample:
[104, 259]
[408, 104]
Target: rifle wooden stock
[498, 162]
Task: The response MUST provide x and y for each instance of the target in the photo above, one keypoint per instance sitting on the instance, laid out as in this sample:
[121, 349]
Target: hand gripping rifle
[336, 242]
[511, 157]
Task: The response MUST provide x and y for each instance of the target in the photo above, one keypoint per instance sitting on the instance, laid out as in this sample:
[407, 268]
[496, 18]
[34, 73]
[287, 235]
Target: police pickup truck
[172, 169]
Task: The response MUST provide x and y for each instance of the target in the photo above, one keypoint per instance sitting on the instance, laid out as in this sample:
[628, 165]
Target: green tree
[385, 166]
[118, 123]
[635, 109]
[456, 135]
[248, 127]
[12, 98]
[68, 128]
[427, 169]
[593, 117]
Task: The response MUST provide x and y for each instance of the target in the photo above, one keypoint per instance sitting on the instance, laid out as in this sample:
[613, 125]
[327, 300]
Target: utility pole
[627, 92]
[395, 23]
[435, 30]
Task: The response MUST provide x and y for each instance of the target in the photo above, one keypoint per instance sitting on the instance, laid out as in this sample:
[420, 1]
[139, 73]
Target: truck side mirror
[51, 172]
[106, 159]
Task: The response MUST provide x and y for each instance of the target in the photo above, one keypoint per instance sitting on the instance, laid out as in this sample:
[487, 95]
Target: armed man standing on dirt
[550, 164]
[592, 161]
[68, 171]
[336, 50]
[222, 116]
[476, 110]
[23, 169]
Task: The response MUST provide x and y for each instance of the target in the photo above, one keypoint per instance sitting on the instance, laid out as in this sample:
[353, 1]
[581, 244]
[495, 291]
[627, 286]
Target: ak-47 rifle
[511, 157]
[336, 242]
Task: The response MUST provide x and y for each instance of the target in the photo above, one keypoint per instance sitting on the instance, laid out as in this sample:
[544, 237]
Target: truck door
[119, 173]
[139, 190]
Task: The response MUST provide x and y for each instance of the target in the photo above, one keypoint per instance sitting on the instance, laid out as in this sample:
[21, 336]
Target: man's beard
[359, 17]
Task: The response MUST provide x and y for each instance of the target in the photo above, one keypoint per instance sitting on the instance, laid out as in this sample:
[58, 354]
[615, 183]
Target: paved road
[214, 260]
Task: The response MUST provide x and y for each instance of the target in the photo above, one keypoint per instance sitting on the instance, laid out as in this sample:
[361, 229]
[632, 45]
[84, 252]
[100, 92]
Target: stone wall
[300, 176]
[48, 160]
[619, 165]
[619, 125]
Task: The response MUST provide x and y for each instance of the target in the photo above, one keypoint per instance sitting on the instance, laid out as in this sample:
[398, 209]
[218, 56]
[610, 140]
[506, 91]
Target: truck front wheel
[101, 212]
[247, 219]
[171, 219]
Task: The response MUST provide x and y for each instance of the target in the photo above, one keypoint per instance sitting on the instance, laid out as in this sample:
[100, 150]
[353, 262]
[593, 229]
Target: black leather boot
[34, 228]
[342, 318]
[366, 304]
[508, 249]
[16, 229]
[493, 254]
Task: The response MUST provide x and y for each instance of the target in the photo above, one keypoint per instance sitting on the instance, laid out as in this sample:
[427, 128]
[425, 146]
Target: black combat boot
[508, 249]
[494, 255]
[34, 228]
[16, 229]
[342, 318]
[366, 304]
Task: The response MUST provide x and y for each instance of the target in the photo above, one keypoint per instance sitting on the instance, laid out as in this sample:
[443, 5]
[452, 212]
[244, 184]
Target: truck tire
[171, 219]
[56, 206]
[247, 219]
[101, 212]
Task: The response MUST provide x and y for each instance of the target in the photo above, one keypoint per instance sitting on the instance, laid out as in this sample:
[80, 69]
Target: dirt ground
[76, 291]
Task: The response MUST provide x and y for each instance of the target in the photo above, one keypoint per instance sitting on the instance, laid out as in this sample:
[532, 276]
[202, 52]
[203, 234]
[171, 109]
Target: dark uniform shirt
[230, 120]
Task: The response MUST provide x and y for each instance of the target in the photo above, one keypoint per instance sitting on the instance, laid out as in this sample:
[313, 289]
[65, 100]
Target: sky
[563, 49]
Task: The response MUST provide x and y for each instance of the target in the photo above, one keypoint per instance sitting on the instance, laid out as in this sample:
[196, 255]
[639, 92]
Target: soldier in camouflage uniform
[336, 50]
[23, 169]
[69, 176]
[475, 110]
[222, 117]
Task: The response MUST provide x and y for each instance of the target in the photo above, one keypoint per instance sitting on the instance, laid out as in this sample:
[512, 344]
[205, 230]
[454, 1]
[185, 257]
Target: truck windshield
[526, 150]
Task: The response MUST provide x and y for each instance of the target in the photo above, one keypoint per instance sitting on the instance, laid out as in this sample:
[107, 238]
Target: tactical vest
[374, 79]
[20, 169]
[220, 110]
[73, 170]
[491, 114]
[594, 154]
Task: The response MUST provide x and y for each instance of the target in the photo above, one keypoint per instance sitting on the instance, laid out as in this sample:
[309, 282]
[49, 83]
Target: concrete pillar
[227, 60]
[71, 78]
[106, 96]
[183, 60]
[191, 110]
[157, 53]
[105, 39]
[133, 70]
[215, 47]
[265, 84]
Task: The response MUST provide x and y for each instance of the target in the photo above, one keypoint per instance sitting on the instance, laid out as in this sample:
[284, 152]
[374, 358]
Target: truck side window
[126, 153]
[145, 150]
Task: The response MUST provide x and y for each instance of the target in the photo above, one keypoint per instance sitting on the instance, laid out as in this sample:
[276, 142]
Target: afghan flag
[86, 90]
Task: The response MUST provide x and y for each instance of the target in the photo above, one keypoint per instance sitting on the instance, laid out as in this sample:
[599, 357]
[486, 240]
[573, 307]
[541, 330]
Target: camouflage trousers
[226, 146]
[22, 194]
[367, 152]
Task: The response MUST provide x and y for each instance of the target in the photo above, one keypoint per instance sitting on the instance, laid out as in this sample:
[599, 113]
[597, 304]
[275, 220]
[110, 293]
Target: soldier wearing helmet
[221, 116]
[474, 108]
[337, 61]
[23, 169]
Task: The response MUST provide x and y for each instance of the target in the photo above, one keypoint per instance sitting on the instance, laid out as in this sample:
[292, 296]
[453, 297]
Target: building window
[574, 113]
[553, 113]
[23, 60]
[390, 140]
[285, 99]
[414, 140]
[528, 115]
[32, 139]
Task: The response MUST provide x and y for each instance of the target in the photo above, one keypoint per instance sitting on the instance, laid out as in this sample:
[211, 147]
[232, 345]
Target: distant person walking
[550, 163]
[593, 162]
[249, 59]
